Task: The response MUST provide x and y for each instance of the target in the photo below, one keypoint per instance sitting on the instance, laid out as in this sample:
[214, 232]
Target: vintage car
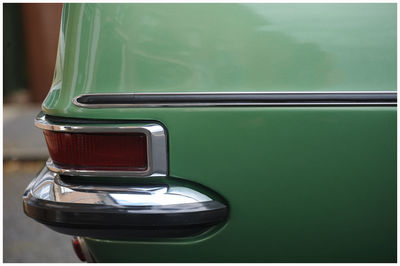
[222, 133]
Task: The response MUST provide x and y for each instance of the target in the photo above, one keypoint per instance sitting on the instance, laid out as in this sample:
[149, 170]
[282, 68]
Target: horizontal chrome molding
[156, 146]
[208, 99]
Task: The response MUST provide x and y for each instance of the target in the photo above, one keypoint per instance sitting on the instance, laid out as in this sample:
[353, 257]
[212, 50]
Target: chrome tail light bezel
[156, 144]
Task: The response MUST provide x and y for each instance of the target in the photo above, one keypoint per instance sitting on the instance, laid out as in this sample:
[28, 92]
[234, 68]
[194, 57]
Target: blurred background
[30, 37]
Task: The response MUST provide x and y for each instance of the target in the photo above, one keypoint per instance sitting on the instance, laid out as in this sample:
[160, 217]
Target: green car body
[303, 183]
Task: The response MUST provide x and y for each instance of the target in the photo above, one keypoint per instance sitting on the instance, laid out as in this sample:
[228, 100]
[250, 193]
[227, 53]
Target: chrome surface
[221, 104]
[48, 187]
[156, 146]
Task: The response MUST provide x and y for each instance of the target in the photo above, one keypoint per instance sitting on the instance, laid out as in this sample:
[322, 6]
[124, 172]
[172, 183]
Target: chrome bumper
[121, 211]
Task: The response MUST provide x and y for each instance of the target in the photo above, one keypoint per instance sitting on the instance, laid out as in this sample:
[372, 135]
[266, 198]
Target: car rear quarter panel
[303, 184]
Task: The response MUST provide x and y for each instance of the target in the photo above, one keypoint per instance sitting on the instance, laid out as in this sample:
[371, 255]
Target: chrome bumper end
[120, 211]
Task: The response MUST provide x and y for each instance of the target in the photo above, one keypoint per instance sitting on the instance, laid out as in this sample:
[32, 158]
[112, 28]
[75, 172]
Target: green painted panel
[224, 47]
[303, 184]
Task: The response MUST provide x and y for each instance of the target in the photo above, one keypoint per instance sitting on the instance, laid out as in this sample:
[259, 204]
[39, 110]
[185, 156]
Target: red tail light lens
[78, 249]
[98, 151]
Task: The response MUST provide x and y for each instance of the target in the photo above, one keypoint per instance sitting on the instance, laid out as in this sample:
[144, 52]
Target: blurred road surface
[21, 139]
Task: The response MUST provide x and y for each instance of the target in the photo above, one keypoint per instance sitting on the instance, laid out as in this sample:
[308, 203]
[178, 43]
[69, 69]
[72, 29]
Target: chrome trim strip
[49, 187]
[97, 187]
[220, 99]
[156, 146]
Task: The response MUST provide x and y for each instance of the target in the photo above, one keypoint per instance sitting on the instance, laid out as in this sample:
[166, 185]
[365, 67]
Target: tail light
[105, 149]
[81, 249]
[97, 151]
[78, 248]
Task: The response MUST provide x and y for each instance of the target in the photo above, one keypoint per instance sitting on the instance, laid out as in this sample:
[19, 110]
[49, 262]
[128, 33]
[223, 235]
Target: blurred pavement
[21, 139]
[24, 154]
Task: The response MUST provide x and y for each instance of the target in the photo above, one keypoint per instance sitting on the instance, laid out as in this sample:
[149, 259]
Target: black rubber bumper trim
[295, 98]
[177, 220]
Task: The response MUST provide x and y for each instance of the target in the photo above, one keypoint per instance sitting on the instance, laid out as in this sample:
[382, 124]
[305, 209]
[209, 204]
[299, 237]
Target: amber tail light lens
[98, 151]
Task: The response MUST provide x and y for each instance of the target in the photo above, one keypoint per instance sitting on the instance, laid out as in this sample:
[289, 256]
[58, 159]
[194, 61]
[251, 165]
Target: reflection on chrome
[48, 186]
[164, 196]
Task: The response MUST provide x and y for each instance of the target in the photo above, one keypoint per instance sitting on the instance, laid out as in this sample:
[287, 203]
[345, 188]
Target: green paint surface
[304, 184]
[224, 47]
